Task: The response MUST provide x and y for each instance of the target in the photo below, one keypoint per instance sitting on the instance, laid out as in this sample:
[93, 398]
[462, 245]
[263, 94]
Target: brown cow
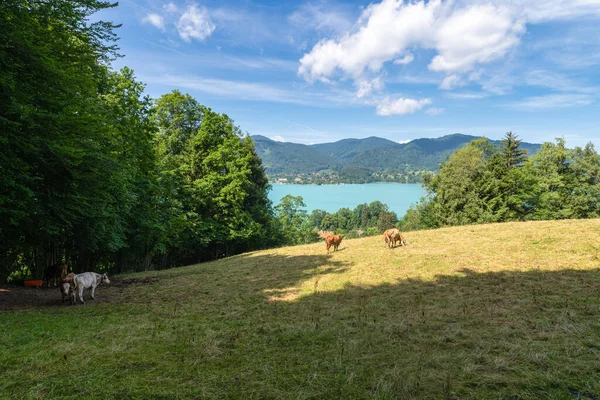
[391, 236]
[333, 240]
[55, 272]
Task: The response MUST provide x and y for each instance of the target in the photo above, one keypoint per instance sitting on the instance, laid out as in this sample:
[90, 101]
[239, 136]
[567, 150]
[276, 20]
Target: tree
[53, 131]
[292, 218]
[386, 220]
[513, 155]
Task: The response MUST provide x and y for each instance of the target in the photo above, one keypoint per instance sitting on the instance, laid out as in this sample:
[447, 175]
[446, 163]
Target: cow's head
[105, 278]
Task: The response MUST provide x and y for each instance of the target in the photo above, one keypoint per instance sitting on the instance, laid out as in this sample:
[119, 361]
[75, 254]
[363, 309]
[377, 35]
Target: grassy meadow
[502, 311]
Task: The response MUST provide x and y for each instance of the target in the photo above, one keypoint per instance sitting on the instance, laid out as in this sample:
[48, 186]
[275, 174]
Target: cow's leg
[80, 291]
[93, 291]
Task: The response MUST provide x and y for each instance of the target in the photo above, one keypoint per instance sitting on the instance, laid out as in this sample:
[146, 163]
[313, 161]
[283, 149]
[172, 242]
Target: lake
[398, 196]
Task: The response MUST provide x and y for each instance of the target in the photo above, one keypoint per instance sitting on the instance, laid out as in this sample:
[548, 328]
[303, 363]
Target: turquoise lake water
[398, 196]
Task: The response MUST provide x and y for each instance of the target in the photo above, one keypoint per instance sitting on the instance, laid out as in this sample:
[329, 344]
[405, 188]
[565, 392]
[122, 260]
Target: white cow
[88, 280]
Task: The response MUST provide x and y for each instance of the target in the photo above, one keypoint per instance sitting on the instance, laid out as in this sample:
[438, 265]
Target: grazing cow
[66, 289]
[88, 280]
[391, 236]
[55, 272]
[324, 234]
[333, 240]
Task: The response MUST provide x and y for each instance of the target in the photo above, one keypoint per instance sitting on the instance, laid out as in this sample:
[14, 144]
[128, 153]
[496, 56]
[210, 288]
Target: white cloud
[467, 95]
[475, 35]
[316, 17]
[171, 8]
[404, 141]
[385, 30]
[465, 35]
[407, 59]
[368, 86]
[433, 111]
[195, 23]
[400, 106]
[536, 103]
[548, 10]
[155, 19]
[451, 81]
[558, 82]
[252, 91]
[277, 138]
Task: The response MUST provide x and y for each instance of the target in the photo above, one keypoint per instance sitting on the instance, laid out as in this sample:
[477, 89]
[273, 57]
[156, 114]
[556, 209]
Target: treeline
[484, 182]
[96, 174]
[299, 227]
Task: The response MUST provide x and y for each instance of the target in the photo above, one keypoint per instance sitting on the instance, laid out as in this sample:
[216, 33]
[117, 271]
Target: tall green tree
[512, 153]
[211, 168]
[293, 219]
[52, 132]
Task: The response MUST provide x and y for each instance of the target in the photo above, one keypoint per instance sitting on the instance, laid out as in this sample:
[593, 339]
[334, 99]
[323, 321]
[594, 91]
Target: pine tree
[513, 155]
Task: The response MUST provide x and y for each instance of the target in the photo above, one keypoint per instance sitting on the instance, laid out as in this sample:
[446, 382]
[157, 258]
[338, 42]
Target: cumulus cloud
[451, 81]
[473, 36]
[154, 19]
[407, 59]
[464, 36]
[277, 138]
[433, 111]
[195, 23]
[368, 86]
[400, 106]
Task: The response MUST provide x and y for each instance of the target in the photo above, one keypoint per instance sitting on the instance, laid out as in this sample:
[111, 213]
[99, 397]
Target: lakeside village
[328, 177]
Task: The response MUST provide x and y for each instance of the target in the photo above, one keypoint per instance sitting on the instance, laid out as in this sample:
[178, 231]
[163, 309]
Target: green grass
[503, 311]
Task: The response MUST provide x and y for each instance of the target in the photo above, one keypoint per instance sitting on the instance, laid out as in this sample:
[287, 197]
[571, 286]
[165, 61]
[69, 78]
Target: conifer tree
[513, 155]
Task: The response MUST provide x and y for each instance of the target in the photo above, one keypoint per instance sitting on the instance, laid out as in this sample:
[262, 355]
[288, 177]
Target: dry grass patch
[493, 311]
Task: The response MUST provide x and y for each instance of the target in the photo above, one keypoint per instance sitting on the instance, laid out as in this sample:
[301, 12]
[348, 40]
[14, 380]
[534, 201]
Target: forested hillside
[360, 160]
[483, 183]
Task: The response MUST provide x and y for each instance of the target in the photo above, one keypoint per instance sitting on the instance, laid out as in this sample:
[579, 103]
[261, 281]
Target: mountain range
[362, 160]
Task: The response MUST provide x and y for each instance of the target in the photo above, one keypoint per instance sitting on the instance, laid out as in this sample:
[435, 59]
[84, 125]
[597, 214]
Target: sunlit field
[478, 312]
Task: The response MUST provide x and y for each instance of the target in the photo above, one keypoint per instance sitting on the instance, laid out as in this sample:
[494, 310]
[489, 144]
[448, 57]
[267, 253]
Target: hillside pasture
[477, 312]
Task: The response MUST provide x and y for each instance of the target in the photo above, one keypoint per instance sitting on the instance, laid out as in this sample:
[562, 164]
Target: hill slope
[352, 159]
[493, 311]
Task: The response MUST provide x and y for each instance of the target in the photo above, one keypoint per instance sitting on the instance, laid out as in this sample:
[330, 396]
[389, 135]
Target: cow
[391, 236]
[54, 272]
[333, 240]
[68, 293]
[88, 280]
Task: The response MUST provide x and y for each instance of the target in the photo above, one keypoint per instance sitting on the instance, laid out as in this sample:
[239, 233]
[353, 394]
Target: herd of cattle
[390, 237]
[72, 284]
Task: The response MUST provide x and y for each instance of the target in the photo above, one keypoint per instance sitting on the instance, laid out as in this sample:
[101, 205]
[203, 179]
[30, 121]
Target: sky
[320, 71]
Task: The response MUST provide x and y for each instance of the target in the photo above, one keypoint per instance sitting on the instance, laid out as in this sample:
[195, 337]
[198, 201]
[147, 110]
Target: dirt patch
[14, 297]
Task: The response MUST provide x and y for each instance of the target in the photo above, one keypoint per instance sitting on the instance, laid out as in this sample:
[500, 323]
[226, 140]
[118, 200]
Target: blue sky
[320, 71]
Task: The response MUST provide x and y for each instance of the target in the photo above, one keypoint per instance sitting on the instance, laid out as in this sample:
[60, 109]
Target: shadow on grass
[501, 335]
[505, 334]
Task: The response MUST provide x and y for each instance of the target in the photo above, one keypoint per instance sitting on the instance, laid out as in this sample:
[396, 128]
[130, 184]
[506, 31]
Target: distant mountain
[362, 160]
